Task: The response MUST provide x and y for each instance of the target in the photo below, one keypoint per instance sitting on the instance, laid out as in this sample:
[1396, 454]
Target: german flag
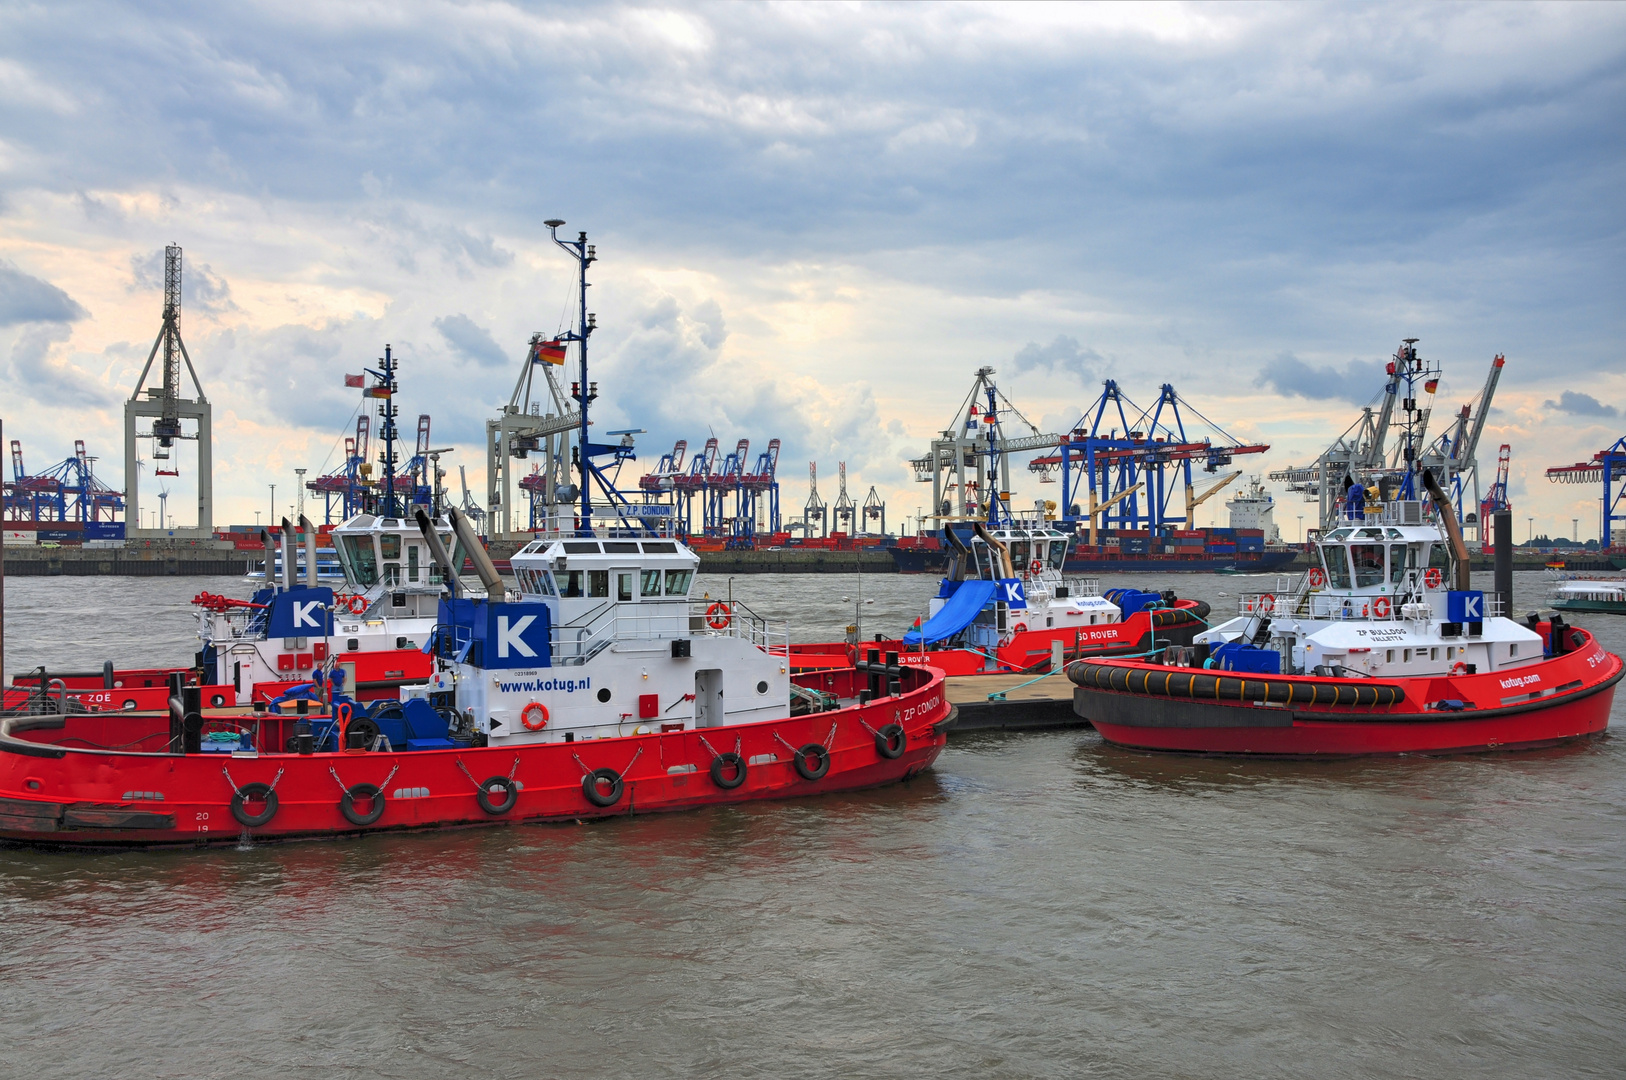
[1431, 386]
[376, 392]
[551, 351]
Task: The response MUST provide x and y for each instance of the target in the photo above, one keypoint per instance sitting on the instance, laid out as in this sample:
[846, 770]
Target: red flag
[355, 380]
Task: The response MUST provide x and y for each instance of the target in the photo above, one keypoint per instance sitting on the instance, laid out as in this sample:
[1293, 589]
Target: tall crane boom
[1472, 446]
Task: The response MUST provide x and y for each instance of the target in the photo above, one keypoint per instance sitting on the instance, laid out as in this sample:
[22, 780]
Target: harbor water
[1037, 905]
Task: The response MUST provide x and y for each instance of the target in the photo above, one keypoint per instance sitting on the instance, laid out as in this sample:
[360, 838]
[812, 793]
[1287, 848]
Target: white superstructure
[1255, 508]
[1379, 602]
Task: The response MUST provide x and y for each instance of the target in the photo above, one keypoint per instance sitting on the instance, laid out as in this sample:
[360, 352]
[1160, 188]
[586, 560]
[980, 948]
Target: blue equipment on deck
[957, 614]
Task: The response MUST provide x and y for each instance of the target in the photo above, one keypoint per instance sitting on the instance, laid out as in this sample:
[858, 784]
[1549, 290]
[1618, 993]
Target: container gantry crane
[968, 466]
[1608, 465]
[1496, 498]
[758, 487]
[874, 510]
[845, 511]
[167, 409]
[815, 509]
[1127, 480]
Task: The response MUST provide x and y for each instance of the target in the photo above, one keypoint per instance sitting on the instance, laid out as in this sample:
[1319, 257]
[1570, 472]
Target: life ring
[357, 604]
[253, 793]
[534, 716]
[720, 775]
[1433, 576]
[1318, 577]
[361, 793]
[719, 615]
[1459, 668]
[602, 798]
[1036, 567]
[891, 741]
[510, 795]
[811, 752]
[1265, 604]
[1380, 607]
[1019, 628]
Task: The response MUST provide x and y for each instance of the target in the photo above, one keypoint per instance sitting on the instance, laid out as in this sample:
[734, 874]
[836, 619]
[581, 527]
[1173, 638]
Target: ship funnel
[426, 525]
[477, 553]
[287, 554]
[309, 530]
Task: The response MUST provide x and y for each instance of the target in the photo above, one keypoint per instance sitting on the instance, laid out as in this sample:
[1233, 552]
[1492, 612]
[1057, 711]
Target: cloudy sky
[816, 221]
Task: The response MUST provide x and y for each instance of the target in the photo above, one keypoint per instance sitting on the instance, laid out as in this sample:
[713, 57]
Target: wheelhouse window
[361, 558]
[1336, 562]
[390, 545]
[677, 582]
[571, 582]
[1397, 563]
[623, 586]
[649, 583]
[1368, 560]
[598, 584]
[1058, 552]
[1019, 554]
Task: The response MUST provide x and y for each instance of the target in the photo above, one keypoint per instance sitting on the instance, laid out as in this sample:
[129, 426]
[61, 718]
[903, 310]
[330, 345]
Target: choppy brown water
[1037, 905]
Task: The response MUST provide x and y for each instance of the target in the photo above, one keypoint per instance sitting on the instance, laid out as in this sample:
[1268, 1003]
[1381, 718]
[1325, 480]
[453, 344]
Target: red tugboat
[1004, 607]
[1371, 653]
[600, 691]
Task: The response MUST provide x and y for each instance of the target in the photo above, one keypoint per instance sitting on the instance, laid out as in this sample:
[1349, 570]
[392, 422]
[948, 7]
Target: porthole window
[762, 687]
[604, 694]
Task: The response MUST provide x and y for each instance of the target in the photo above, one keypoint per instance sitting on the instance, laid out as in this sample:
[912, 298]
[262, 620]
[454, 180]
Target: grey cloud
[33, 375]
[1357, 382]
[25, 298]
[1578, 404]
[708, 316]
[1061, 356]
[471, 340]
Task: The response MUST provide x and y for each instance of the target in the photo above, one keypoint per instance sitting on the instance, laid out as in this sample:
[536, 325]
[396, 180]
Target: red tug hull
[1560, 699]
[55, 791]
[1028, 651]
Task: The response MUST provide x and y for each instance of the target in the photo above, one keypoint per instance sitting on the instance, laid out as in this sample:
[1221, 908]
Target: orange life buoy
[1318, 577]
[718, 616]
[1019, 628]
[1037, 566]
[1380, 607]
[1459, 668]
[534, 716]
[357, 604]
[1266, 604]
[1433, 576]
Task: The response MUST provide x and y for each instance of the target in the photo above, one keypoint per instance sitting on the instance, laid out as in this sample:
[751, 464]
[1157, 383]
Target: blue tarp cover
[970, 598]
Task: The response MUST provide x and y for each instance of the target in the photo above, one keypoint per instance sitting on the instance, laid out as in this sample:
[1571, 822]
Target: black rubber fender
[720, 766]
[603, 799]
[361, 793]
[253, 793]
[891, 741]
[1214, 685]
[811, 751]
[510, 795]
